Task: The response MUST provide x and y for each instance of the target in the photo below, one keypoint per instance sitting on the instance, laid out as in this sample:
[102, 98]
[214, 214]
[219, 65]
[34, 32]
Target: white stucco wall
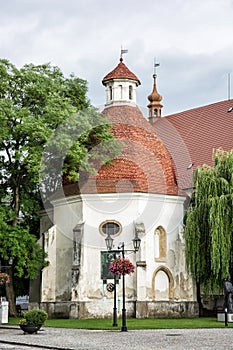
[120, 91]
[57, 276]
[151, 210]
[145, 284]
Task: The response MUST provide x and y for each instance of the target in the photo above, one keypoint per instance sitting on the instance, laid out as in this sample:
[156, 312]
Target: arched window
[155, 112]
[162, 284]
[130, 92]
[160, 244]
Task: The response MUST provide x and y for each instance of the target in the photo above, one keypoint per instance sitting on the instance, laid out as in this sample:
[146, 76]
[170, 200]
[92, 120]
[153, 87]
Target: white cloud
[191, 39]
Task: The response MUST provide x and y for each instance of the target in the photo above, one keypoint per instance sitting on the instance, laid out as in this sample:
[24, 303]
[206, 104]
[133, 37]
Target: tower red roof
[120, 72]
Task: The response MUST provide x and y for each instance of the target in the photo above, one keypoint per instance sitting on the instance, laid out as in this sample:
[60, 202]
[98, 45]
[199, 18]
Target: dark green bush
[35, 317]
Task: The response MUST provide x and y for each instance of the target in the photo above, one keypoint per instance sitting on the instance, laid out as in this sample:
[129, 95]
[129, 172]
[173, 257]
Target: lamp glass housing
[136, 243]
[109, 242]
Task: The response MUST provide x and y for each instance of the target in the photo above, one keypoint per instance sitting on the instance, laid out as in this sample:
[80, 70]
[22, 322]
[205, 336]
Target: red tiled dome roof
[121, 72]
[144, 164]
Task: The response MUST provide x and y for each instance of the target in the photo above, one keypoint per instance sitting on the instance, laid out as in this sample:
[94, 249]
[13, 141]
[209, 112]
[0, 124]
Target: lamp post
[109, 245]
[123, 327]
[115, 304]
[121, 249]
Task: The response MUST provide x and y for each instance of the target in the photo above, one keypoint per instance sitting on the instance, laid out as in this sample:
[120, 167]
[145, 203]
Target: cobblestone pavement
[17, 347]
[72, 339]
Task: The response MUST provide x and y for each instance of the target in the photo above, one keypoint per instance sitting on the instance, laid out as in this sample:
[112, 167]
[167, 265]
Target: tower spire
[155, 98]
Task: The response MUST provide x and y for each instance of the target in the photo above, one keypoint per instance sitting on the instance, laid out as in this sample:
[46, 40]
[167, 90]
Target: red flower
[4, 278]
[121, 266]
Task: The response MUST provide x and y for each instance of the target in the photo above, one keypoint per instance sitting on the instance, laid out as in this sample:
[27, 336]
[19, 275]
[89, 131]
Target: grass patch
[134, 323]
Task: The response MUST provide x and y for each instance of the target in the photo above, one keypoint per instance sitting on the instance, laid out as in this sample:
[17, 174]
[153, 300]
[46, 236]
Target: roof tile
[120, 72]
[191, 136]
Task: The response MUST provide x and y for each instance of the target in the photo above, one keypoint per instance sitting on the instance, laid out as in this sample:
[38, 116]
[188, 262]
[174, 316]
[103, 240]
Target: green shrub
[35, 317]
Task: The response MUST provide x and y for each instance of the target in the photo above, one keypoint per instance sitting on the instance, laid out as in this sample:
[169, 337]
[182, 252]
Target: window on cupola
[130, 92]
[110, 92]
[155, 112]
[121, 92]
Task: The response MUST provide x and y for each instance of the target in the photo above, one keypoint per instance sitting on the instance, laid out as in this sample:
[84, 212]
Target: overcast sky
[191, 39]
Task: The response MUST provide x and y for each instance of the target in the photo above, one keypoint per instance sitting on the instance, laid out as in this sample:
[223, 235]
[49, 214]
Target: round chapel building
[136, 194]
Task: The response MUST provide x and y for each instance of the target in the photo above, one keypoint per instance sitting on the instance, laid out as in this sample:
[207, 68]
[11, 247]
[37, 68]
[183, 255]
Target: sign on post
[106, 258]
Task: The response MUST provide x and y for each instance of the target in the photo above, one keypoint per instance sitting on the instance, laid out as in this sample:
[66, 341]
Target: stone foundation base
[104, 309]
[171, 309]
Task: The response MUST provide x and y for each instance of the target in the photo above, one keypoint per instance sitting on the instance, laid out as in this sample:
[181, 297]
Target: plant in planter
[32, 320]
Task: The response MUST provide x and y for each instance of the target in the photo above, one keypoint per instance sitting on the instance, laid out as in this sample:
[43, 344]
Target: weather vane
[122, 52]
[155, 65]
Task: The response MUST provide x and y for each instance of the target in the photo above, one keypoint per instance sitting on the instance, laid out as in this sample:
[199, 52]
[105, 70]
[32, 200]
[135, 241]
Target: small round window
[112, 228]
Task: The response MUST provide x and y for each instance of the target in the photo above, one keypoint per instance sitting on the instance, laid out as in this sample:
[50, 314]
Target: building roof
[120, 72]
[158, 156]
[192, 135]
[144, 165]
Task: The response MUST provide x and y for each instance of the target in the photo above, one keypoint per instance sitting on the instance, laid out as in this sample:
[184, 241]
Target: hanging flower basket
[4, 278]
[121, 266]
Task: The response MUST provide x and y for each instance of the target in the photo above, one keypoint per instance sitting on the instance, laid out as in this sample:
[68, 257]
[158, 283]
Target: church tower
[155, 106]
[121, 86]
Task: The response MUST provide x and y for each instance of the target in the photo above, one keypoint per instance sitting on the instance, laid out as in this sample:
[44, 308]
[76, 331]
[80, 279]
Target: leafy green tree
[209, 223]
[48, 131]
[20, 249]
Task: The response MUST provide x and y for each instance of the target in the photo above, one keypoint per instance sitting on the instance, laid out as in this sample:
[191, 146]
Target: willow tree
[209, 223]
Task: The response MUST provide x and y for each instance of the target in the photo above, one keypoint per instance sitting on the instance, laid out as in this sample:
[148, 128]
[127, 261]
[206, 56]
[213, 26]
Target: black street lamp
[121, 249]
[115, 304]
[109, 242]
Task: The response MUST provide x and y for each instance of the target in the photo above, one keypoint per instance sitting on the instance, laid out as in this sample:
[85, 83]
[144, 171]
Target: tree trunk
[10, 294]
[199, 299]
[16, 218]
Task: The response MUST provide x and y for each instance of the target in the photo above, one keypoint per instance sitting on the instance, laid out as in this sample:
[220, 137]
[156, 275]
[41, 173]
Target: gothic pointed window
[162, 284]
[160, 244]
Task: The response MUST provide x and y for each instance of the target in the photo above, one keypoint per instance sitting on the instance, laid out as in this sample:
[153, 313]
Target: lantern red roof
[120, 72]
